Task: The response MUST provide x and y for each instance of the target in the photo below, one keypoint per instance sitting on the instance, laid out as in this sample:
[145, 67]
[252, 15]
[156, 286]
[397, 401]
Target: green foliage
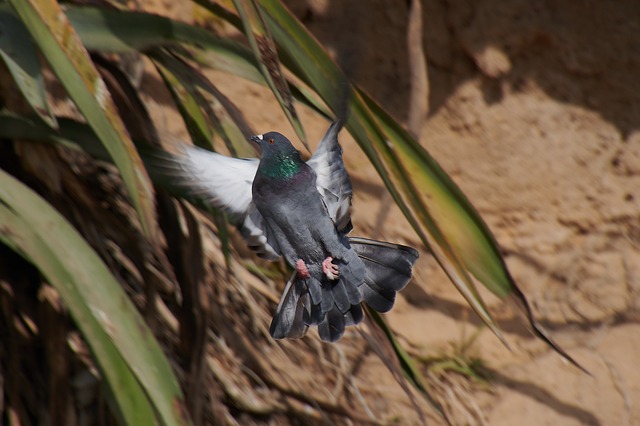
[68, 58]
[140, 379]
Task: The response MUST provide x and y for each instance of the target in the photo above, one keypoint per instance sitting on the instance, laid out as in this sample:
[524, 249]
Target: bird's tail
[334, 305]
[294, 306]
[388, 269]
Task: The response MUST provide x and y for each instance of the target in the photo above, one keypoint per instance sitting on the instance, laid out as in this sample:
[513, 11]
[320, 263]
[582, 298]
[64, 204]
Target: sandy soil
[535, 114]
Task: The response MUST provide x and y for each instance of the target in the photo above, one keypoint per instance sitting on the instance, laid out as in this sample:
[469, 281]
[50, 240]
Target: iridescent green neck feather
[282, 166]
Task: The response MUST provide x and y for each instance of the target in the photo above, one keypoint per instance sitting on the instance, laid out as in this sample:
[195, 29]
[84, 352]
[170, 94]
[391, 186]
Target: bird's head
[279, 158]
[274, 144]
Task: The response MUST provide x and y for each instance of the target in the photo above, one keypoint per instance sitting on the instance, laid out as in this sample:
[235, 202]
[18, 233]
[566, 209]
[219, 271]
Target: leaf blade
[103, 312]
[264, 49]
[131, 404]
[68, 58]
[202, 105]
[121, 31]
[19, 55]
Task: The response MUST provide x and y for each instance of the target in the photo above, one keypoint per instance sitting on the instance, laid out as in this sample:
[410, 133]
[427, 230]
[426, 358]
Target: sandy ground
[534, 112]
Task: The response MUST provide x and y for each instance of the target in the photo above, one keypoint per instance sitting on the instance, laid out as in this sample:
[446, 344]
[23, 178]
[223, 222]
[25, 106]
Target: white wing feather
[223, 181]
[210, 179]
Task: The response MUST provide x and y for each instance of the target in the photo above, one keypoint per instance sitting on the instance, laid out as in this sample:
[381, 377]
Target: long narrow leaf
[433, 235]
[20, 56]
[114, 329]
[467, 233]
[196, 122]
[123, 31]
[220, 113]
[264, 49]
[411, 372]
[68, 58]
[457, 217]
[131, 405]
[120, 31]
[71, 133]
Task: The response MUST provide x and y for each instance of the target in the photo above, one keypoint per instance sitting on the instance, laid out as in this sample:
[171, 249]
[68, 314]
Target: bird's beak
[256, 139]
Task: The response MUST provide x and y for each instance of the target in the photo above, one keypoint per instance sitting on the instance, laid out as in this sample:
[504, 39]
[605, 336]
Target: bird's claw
[330, 270]
[302, 270]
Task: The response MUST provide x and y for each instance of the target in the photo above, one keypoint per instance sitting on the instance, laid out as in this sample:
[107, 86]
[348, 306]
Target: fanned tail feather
[389, 268]
[331, 305]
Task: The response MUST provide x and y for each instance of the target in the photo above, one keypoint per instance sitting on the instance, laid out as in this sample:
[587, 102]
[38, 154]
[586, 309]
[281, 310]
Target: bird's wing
[210, 180]
[258, 236]
[332, 179]
[204, 177]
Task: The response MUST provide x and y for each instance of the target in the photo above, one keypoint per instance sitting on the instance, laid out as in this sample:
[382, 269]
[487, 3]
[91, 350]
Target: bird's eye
[271, 141]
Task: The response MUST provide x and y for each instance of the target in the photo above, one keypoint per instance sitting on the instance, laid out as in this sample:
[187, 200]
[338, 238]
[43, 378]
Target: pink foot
[302, 270]
[330, 270]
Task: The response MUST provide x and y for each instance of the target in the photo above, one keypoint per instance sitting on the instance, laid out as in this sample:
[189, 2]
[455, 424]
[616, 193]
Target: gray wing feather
[258, 236]
[332, 178]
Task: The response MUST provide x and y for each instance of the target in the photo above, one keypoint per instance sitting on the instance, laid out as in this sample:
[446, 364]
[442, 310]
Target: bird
[286, 207]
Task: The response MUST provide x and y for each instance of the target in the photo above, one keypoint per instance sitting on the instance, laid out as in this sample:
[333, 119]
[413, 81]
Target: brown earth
[534, 112]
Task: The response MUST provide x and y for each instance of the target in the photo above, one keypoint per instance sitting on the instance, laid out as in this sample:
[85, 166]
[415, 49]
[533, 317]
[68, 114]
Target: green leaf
[131, 405]
[265, 51]
[70, 133]
[120, 31]
[429, 229]
[20, 56]
[68, 58]
[203, 105]
[462, 228]
[196, 122]
[460, 222]
[411, 372]
[135, 368]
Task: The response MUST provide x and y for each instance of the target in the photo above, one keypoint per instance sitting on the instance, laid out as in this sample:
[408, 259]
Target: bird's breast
[270, 186]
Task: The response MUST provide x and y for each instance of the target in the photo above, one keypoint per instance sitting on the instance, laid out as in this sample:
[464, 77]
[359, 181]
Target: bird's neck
[283, 166]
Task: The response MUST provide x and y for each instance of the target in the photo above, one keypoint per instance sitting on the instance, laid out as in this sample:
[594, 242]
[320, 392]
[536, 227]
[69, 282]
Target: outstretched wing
[208, 180]
[332, 178]
[204, 177]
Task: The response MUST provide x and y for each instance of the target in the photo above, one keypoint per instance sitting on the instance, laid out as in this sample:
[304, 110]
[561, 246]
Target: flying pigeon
[286, 207]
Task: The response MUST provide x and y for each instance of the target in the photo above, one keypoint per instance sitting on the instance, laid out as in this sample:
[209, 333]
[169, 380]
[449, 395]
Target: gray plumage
[300, 211]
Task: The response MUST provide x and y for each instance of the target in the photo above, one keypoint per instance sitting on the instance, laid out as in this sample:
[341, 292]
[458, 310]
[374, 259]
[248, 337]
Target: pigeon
[287, 208]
